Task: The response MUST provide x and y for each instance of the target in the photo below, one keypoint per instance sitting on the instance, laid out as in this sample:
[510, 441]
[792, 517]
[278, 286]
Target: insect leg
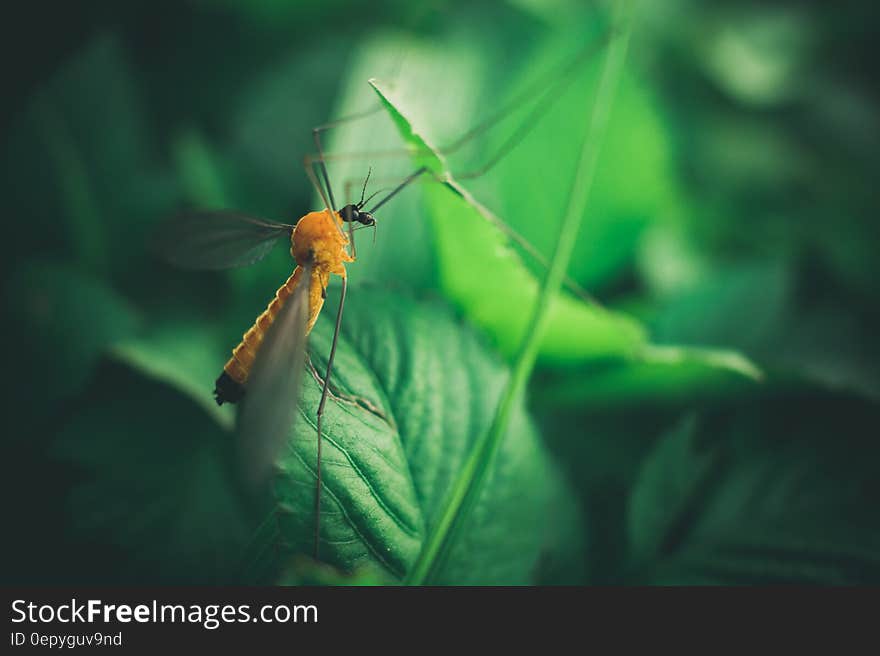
[309, 165]
[563, 76]
[316, 136]
[324, 390]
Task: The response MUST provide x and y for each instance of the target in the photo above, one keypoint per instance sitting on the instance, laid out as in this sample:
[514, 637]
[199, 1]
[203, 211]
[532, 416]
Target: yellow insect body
[317, 238]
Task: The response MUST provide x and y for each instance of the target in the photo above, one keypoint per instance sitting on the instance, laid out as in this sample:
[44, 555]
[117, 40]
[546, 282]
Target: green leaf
[635, 185]
[769, 492]
[64, 321]
[413, 389]
[85, 172]
[659, 375]
[817, 341]
[184, 354]
[601, 449]
[739, 307]
[471, 249]
[146, 486]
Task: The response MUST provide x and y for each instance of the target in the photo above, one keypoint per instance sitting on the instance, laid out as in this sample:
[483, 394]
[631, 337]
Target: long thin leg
[309, 164]
[324, 391]
[316, 136]
[563, 76]
[323, 168]
[326, 386]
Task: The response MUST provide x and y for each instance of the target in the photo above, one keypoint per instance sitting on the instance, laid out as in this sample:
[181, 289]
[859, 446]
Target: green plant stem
[467, 487]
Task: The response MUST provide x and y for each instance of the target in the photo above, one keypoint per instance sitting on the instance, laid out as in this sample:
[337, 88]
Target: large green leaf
[413, 389]
[480, 271]
[144, 487]
[146, 472]
[735, 307]
[777, 491]
[755, 307]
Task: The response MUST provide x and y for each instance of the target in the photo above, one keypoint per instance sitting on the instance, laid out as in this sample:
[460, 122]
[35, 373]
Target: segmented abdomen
[230, 384]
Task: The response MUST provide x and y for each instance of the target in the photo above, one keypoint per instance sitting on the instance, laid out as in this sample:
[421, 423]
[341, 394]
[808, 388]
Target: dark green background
[735, 208]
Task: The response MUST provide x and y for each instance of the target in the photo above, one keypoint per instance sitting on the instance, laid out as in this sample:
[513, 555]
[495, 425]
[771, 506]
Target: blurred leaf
[601, 450]
[767, 493]
[82, 171]
[64, 320]
[183, 354]
[737, 307]
[201, 180]
[149, 497]
[272, 128]
[396, 433]
[752, 307]
[660, 374]
[833, 345]
[755, 54]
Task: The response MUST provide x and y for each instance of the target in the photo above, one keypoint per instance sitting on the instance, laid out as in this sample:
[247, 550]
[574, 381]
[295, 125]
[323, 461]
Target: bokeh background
[732, 223]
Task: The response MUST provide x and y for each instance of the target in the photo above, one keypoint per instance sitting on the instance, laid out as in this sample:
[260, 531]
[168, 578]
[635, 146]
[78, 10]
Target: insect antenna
[373, 195]
[409, 179]
[364, 189]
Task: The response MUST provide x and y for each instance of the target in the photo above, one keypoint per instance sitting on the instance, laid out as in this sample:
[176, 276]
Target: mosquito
[265, 369]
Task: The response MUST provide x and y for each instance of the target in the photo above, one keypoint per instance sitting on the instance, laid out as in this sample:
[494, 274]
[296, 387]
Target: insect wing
[218, 239]
[272, 396]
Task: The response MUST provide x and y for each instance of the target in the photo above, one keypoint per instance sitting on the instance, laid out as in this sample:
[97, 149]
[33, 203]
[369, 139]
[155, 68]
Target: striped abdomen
[231, 383]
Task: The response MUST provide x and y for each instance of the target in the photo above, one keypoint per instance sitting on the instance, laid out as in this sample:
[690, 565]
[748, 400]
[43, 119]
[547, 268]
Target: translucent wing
[272, 395]
[217, 239]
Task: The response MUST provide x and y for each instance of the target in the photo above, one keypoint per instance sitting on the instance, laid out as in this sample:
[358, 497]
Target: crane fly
[268, 361]
[265, 369]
